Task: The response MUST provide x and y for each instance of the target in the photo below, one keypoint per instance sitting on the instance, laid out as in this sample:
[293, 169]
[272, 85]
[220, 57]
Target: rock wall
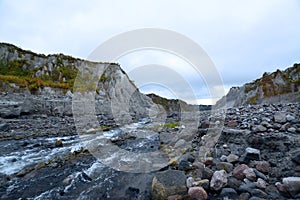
[47, 83]
[276, 87]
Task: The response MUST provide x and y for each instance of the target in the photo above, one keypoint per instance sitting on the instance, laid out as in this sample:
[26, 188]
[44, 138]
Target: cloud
[243, 38]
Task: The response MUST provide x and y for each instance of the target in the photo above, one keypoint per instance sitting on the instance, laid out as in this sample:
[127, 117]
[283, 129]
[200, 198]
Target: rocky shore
[257, 155]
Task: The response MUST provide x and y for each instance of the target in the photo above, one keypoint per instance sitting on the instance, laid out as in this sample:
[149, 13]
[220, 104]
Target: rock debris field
[257, 156]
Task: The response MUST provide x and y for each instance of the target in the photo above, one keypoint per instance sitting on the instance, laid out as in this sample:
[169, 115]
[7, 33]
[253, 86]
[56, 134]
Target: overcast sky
[243, 38]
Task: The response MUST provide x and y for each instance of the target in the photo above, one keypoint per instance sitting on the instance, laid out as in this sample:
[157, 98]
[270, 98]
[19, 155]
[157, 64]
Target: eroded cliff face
[276, 87]
[39, 77]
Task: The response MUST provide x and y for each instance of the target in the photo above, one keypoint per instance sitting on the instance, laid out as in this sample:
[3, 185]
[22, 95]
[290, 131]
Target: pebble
[189, 182]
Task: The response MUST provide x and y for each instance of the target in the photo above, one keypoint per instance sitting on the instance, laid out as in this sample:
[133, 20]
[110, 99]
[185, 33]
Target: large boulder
[168, 183]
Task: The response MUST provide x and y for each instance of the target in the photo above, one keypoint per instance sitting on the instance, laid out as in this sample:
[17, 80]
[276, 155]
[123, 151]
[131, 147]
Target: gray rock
[259, 193]
[228, 167]
[167, 183]
[232, 158]
[292, 184]
[250, 174]
[218, 180]
[228, 193]
[296, 157]
[290, 117]
[259, 128]
[247, 187]
[251, 154]
[292, 130]
[280, 117]
[187, 157]
[260, 183]
[266, 124]
[260, 175]
[189, 182]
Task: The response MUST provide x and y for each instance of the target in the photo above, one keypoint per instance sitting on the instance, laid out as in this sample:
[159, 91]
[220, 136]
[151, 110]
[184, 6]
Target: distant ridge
[277, 87]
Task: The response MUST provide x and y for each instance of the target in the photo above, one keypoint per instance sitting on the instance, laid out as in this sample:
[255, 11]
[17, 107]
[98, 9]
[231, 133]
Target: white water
[15, 161]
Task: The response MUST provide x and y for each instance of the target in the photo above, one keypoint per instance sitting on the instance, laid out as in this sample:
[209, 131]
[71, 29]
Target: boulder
[197, 193]
[168, 183]
[292, 185]
[228, 193]
[250, 174]
[262, 166]
[228, 167]
[218, 180]
[280, 117]
[238, 171]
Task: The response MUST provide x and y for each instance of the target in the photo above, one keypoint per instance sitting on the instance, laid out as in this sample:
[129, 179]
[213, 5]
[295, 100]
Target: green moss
[250, 87]
[171, 125]
[253, 99]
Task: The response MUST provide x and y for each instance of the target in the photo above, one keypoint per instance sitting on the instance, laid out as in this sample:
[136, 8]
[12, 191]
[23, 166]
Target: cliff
[277, 87]
[40, 77]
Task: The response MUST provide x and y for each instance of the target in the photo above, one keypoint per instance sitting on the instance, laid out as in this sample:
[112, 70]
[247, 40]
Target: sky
[242, 38]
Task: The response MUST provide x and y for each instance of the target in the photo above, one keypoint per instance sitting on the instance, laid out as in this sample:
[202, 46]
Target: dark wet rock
[296, 157]
[167, 183]
[244, 196]
[234, 183]
[185, 165]
[260, 175]
[228, 193]
[251, 154]
[218, 180]
[58, 143]
[9, 113]
[259, 193]
[197, 193]
[248, 187]
[207, 173]
[4, 127]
